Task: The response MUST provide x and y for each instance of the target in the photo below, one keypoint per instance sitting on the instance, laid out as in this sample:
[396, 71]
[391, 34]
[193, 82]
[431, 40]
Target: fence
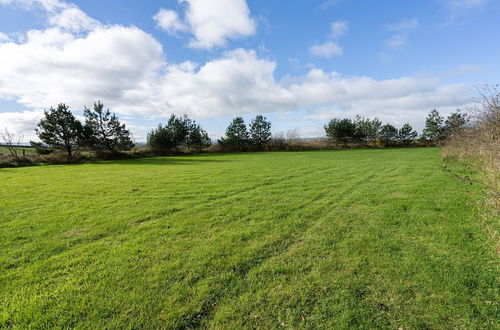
[21, 150]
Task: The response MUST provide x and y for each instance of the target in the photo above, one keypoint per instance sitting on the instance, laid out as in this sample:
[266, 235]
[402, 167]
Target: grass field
[356, 238]
[27, 151]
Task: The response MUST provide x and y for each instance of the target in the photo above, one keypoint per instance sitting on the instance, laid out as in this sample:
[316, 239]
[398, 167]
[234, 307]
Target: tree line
[102, 132]
[365, 131]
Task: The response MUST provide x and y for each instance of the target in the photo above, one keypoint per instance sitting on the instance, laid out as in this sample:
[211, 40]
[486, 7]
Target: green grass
[27, 151]
[356, 238]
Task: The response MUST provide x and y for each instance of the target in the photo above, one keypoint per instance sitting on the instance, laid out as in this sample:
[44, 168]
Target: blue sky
[297, 62]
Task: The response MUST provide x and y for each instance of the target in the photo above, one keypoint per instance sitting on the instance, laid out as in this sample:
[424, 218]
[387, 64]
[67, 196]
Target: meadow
[351, 238]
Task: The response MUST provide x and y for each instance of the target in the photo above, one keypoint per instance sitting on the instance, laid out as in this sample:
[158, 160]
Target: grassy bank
[354, 238]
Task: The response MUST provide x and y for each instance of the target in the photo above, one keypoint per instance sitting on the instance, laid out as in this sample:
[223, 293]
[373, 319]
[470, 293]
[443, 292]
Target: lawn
[355, 238]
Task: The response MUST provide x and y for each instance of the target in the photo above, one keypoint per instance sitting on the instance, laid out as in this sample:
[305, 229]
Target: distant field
[355, 238]
[27, 151]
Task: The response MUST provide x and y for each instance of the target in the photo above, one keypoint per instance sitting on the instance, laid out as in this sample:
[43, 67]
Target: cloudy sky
[299, 62]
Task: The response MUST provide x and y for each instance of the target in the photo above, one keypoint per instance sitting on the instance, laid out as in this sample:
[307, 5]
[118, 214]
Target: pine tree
[236, 134]
[60, 129]
[103, 130]
[406, 134]
[260, 131]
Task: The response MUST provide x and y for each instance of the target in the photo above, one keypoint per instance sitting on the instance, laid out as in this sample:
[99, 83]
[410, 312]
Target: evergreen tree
[260, 131]
[196, 136]
[454, 124]
[406, 134]
[236, 134]
[388, 134]
[367, 130]
[433, 126]
[60, 129]
[160, 139]
[341, 131]
[103, 130]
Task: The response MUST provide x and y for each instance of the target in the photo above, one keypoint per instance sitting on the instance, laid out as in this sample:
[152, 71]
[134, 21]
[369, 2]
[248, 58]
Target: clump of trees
[102, 131]
[240, 138]
[364, 131]
[361, 131]
[179, 133]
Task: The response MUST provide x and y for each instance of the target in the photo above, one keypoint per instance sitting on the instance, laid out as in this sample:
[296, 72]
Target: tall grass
[477, 147]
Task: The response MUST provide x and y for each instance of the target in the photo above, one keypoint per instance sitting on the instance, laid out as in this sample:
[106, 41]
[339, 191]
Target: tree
[161, 138]
[177, 133]
[260, 131]
[367, 130]
[341, 130]
[388, 134]
[178, 130]
[11, 141]
[406, 134]
[236, 134]
[433, 127]
[60, 129]
[454, 124]
[196, 136]
[103, 130]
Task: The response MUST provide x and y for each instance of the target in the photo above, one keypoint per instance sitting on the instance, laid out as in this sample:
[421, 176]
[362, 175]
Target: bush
[478, 144]
[12, 161]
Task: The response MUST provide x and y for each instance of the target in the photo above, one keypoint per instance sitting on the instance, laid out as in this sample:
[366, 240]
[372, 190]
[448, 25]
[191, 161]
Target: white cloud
[21, 123]
[126, 69]
[4, 37]
[403, 29]
[59, 13]
[338, 29]
[169, 21]
[73, 19]
[327, 50]
[53, 66]
[212, 23]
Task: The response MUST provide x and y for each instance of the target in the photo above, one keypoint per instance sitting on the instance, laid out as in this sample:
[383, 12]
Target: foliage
[388, 134]
[476, 146]
[260, 131]
[308, 240]
[104, 131]
[236, 134]
[341, 131]
[367, 130]
[196, 136]
[41, 149]
[406, 134]
[61, 130]
[454, 124]
[179, 132]
[433, 127]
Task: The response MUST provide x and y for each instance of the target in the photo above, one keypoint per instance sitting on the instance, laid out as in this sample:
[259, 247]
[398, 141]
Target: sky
[297, 62]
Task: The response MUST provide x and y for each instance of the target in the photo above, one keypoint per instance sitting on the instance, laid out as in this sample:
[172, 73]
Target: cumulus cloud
[327, 50]
[212, 23]
[126, 69]
[59, 13]
[169, 21]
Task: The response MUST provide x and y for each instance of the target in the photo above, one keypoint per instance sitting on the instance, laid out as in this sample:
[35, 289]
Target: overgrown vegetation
[329, 239]
[476, 148]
